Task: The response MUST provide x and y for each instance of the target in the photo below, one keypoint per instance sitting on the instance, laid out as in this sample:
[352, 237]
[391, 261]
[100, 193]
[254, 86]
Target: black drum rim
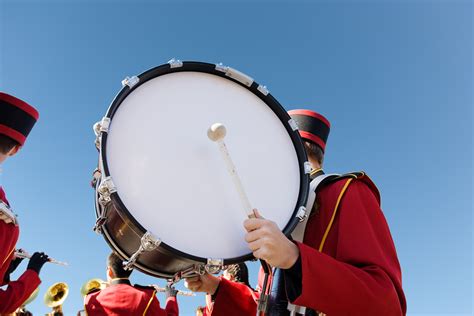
[268, 99]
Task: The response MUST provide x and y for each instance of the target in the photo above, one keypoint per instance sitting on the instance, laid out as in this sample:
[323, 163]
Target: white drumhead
[172, 178]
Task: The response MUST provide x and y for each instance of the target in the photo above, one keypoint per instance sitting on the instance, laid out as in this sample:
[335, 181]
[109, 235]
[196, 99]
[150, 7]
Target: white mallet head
[216, 132]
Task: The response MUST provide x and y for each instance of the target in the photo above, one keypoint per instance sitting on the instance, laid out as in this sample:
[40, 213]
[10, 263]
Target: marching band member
[121, 298]
[347, 263]
[16, 121]
[238, 273]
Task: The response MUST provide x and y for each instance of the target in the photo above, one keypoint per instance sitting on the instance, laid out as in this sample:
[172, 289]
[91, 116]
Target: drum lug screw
[148, 242]
[301, 213]
[130, 81]
[99, 223]
[175, 63]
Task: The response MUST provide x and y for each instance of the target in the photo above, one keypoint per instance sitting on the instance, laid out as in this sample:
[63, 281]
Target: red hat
[17, 117]
[313, 127]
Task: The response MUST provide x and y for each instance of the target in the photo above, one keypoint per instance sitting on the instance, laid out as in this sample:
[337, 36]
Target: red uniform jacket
[17, 291]
[121, 298]
[353, 271]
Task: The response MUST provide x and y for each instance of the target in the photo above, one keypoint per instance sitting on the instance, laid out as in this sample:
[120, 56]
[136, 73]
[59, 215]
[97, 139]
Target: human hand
[268, 243]
[37, 261]
[202, 283]
[170, 291]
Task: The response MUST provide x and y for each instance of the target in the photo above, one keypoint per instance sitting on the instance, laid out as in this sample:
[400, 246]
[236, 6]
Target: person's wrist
[214, 286]
[293, 255]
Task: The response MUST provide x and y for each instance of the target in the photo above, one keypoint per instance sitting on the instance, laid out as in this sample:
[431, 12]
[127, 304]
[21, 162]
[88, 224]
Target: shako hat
[17, 117]
[313, 127]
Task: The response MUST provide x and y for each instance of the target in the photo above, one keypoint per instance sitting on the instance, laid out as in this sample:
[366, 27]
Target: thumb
[257, 214]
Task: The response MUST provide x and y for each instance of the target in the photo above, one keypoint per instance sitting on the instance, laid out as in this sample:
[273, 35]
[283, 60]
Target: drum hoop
[268, 99]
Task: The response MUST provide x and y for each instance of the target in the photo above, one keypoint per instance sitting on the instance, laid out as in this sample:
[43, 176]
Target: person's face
[110, 274]
[12, 152]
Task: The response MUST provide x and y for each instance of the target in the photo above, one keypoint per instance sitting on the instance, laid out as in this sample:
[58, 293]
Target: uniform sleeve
[171, 307]
[234, 299]
[18, 291]
[365, 276]
[154, 309]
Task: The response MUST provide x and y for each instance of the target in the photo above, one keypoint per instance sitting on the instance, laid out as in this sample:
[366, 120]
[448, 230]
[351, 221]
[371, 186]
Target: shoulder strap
[144, 287]
[317, 182]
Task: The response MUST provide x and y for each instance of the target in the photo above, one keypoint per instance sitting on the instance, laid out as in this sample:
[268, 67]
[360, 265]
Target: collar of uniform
[120, 281]
[315, 173]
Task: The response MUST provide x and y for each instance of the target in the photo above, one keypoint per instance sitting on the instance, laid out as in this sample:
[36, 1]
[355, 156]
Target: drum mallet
[216, 133]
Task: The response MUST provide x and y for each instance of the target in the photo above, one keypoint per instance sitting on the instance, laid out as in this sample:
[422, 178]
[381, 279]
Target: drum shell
[124, 237]
[123, 233]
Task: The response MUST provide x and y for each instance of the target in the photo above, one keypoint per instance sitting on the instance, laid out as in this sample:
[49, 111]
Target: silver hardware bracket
[301, 214]
[130, 81]
[235, 74]
[220, 67]
[196, 269]
[102, 126]
[148, 242]
[99, 223]
[307, 167]
[263, 90]
[175, 63]
[214, 266]
[107, 186]
[293, 124]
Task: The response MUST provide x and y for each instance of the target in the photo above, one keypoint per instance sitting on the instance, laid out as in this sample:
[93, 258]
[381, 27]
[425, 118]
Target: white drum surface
[172, 178]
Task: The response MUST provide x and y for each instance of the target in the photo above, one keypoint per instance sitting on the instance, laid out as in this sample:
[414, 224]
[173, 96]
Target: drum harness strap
[318, 178]
[7, 215]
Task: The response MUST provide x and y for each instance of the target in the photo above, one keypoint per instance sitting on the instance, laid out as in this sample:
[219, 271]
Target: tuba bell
[92, 285]
[55, 297]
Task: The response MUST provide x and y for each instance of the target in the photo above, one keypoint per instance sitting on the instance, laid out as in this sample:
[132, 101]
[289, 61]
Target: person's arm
[230, 298]
[18, 291]
[234, 299]
[171, 307]
[364, 277]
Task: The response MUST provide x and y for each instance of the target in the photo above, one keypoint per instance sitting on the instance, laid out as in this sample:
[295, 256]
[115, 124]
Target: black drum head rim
[269, 100]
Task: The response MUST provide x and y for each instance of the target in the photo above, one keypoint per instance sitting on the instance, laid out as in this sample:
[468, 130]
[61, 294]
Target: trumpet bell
[92, 285]
[56, 294]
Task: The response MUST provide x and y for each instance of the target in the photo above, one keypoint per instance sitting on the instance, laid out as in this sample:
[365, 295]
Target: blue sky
[393, 77]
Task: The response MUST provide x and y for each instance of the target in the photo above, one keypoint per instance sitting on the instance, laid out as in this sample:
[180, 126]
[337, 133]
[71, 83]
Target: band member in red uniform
[16, 121]
[121, 298]
[347, 263]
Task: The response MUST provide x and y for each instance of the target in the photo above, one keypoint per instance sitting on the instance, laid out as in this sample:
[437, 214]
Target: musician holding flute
[17, 118]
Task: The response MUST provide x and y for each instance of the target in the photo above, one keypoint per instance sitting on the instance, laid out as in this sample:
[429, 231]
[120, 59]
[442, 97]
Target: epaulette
[93, 291]
[144, 287]
[359, 175]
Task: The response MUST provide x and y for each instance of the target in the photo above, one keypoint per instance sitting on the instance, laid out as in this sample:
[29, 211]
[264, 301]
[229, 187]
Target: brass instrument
[91, 285]
[55, 297]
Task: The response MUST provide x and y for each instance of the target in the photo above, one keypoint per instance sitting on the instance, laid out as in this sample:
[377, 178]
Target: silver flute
[24, 254]
[162, 289]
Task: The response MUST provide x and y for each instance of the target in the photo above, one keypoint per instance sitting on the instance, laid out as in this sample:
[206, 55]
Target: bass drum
[164, 199]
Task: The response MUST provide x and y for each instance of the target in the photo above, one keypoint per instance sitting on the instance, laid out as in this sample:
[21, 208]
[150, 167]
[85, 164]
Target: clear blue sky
[395, 79]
